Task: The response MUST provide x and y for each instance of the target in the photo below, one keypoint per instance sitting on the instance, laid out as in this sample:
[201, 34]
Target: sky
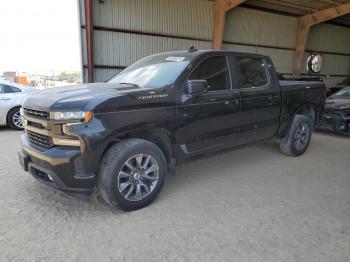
[39, 35]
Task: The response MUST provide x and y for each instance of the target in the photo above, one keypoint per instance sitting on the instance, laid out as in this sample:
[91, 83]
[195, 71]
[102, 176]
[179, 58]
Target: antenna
[192, 49]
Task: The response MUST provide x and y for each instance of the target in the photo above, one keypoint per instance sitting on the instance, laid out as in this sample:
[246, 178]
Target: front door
[208, 121]
[7, 99]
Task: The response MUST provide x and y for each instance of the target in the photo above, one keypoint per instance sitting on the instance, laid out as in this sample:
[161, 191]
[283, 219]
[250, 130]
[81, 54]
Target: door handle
[273, 97]
[235, 101]
[4, 98]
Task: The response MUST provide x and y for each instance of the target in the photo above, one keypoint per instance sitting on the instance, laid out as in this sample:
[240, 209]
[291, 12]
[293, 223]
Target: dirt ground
[251, 204]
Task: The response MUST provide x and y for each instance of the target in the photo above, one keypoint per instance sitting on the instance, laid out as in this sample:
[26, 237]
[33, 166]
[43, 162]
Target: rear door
[260, 98]
[208, 121]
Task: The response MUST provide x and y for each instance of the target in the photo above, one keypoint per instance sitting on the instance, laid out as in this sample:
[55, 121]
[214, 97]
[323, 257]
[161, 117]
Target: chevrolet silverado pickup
[122, 137]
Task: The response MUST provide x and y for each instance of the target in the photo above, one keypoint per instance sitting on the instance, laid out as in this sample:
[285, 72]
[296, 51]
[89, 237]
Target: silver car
[11, 98]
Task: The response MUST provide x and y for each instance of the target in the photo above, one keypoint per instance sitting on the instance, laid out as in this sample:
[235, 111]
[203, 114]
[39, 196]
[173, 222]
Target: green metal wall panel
[329, 38]
[123, 49]
[105, 74]
[254, 27]
[177, 17]
[250, 26]
[246, 30]
[168, 17]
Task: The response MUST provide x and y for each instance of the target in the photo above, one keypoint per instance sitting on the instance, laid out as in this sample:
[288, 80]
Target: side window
[11, 89]
[216, 71]
[253, 72]
[2, 89]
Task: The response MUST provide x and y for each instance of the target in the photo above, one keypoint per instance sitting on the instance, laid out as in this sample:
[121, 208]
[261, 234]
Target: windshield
[153, 71]
[341, 94]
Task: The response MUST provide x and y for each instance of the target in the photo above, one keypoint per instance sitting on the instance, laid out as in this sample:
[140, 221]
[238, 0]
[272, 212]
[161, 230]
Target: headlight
[74, 115]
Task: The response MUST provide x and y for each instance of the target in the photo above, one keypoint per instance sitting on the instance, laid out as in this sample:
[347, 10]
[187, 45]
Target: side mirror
[196, 87]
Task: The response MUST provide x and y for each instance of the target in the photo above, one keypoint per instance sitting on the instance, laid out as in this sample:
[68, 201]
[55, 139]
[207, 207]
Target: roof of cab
[195, 53]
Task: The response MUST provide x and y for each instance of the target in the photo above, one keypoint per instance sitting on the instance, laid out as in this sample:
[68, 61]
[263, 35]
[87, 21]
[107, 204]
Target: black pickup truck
[122, 137]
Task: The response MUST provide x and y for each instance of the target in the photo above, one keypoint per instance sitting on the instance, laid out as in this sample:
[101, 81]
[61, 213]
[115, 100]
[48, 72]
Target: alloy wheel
[138, 177]
[16, 119]
[302, 136]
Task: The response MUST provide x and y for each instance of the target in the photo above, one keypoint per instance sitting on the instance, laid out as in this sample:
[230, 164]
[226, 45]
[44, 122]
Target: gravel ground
[251, 204]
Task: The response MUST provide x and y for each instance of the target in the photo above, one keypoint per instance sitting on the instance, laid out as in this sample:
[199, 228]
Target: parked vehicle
[334, 89]
[125, 135]
[11, 97]
[336, 116]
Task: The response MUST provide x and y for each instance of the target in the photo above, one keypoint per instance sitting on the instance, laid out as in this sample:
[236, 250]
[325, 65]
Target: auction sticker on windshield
[175, 58]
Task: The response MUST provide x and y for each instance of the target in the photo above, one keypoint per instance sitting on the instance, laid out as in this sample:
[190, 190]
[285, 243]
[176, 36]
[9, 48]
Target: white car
[11, 98]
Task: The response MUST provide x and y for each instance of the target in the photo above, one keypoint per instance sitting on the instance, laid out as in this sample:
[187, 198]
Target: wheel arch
[157, 135]
[310, 110]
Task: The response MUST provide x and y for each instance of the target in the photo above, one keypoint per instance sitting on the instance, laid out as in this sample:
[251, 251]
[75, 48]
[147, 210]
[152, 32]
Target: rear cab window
[253, 72]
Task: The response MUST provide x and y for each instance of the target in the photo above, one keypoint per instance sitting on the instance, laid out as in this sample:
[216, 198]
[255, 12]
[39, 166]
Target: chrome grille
[39, 140]
[36, 113]
[34, 124]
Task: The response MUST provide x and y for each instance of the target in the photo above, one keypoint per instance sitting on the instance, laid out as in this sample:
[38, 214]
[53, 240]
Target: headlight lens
[74, 115]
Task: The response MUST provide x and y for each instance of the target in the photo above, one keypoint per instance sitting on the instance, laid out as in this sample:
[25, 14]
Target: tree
[69, 76]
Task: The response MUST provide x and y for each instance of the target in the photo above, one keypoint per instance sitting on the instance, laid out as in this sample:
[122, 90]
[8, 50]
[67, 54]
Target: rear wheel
[132, 173]
[14, 119]
[298, 138]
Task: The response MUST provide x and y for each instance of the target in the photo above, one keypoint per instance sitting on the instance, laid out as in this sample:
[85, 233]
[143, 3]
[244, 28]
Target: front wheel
[298, 138]
[132, 173]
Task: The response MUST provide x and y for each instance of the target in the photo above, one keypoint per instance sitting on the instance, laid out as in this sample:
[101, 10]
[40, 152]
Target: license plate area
[23, 160]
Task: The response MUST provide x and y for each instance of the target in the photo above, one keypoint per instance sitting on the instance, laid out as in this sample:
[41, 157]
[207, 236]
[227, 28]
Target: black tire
[12, 116]
[115, 160]
[293, 144]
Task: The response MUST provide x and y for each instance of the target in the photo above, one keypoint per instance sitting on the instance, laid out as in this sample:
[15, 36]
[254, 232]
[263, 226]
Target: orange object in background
[23, 80]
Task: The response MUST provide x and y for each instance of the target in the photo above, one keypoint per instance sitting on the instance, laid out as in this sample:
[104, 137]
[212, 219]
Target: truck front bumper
[57, 167]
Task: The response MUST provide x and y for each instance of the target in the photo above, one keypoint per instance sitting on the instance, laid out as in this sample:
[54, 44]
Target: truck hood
[338, 104]
[77, 97]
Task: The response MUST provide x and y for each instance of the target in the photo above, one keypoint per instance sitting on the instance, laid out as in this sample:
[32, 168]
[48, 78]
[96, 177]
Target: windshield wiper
[131, 84]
